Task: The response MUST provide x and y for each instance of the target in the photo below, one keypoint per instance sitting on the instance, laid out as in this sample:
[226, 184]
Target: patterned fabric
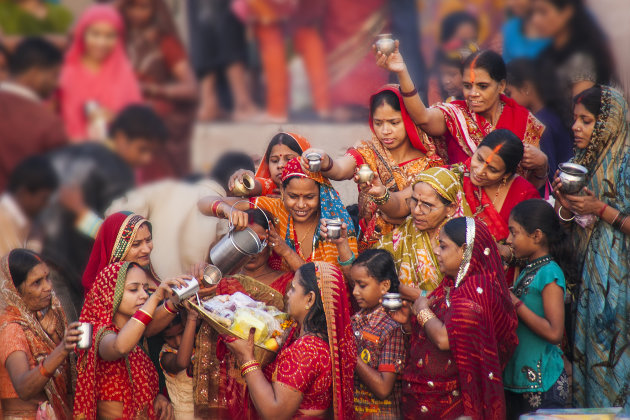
[481, 324]
[412, 249]
[467, 129]
[112, 244]
[536, 363]
[331, 207]
[381, 346]
[343, 351]
[306, 367]
[36, 338]
[555, 397]
[264, 176]
[217, 392]
[602, 346]
[395, 176]
[132, 379]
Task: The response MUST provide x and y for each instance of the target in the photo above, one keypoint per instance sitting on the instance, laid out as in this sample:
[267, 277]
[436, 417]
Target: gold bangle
[146, 313]
[248, 364]
[424, 316]
[248, 370]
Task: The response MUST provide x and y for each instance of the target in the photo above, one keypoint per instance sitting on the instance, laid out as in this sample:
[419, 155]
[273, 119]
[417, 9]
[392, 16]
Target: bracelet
[601, 212]
[169, 310]
[250, 366]
[215, 206]
[623, 222]
[379, 201]
[251, 369]
[518, 305]
[348, 262]
[143, 317]
[44, 372]
[562, 218]
[329, 167]
[619, 220]
[414, 92]
[424, 316]
[512, 258]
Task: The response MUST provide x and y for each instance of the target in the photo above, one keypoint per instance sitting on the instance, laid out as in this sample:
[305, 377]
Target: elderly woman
[436, 198]
[34, 365]
[463, 335]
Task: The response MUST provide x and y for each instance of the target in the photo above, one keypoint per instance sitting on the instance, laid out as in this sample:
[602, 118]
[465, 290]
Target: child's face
[173, 335]
[367, 290]
[523, 243]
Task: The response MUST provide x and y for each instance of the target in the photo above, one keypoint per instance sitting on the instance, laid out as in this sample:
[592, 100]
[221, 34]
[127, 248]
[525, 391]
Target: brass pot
[365, 174]
[242, 187]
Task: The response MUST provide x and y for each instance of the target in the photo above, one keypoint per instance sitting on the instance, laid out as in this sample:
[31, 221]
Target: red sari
[466, 129]
[480, 320]
[132, 379]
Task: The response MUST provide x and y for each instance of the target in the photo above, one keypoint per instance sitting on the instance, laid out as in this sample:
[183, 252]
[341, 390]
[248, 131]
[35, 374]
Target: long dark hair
[586, 35]
[385, 97]
[283, 139]
[511, 147]
[21, 262]
[488, 60]
[455, 229]
[538, 214]
[379, 264]
[315, 320]
[591, 98]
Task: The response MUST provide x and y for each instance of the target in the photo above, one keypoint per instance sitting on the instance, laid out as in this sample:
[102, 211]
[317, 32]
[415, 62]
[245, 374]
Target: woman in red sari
[217, 393]
[314, 374]
[116, 378]
[397, 153]
[464, 124]
[463, 335]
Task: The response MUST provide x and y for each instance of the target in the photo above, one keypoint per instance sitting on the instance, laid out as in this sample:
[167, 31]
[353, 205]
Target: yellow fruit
[272, 344]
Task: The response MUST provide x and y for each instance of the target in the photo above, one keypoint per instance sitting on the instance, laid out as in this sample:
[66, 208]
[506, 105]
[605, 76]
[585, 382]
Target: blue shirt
[517, 45]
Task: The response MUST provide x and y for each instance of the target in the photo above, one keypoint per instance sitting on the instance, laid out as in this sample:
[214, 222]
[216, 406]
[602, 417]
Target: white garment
[182, 236]
[19, 90]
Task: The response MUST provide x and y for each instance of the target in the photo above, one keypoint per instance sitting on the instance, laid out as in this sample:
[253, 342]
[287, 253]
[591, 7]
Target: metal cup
[392, 301]
[211, 275]
[314, 162]
[184, 292]
[573, 177]
[365, 174]
[243, 185]
[334, 228]
[386, 44]
[85, 342]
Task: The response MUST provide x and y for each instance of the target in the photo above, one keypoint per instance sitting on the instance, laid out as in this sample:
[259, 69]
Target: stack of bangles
[348, 262]
[248, 367]
[142, 317]
[379, 201]
[215, 207]
[424, 316]
[619, 221]
[174, 311]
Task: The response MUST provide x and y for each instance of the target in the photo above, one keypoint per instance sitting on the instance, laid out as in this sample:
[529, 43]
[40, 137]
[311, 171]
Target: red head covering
[138, 385]
[418, 139]
[263, 168]
[113, 86]
[343, 350]
[112, 244]
[480, 322]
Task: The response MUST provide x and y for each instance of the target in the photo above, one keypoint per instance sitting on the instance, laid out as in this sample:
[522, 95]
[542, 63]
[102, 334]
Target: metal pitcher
[235, 248]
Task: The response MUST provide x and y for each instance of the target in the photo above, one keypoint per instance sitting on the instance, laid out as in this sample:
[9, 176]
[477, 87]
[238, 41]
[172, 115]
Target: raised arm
[392, 204]
[338, 169]
[430, 120]
[222, 207]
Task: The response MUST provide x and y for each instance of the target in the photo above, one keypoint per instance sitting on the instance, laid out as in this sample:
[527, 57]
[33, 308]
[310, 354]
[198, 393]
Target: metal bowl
[314, 162]
[392, 301]
[386, 44]
[573, 177]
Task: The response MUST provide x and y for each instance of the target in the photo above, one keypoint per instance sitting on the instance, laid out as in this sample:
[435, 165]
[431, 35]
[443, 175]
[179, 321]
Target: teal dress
[536, 364]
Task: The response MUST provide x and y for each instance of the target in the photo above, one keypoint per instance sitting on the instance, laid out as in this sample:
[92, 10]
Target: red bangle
[414, 92]
[518, 305]
[44, 372]
[601, 212]
[215, 206]
[169, 310]
[142, 317]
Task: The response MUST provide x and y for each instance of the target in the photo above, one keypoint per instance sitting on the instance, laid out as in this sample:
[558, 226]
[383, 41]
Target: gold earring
[307, 307]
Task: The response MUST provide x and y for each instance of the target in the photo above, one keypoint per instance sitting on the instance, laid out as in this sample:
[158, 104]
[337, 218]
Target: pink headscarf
[114, 86]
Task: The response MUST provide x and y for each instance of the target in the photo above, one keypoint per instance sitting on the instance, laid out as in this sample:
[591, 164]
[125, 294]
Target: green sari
[411, 248]
[16, 21]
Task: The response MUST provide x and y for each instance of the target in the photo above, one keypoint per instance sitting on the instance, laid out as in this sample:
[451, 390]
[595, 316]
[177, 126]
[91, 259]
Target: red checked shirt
[380, 344]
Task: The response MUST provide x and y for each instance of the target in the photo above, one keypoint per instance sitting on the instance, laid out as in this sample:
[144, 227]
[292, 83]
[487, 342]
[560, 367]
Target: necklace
[263, 274]
[306, 233]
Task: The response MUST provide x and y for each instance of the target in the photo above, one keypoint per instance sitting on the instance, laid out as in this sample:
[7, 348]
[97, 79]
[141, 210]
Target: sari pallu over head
[331, 207]
[343, 351]
[141, 381]
[114, 85]
[112, 244]
[481, 323]
[412, 249]
[262, 173]
[13, 310]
